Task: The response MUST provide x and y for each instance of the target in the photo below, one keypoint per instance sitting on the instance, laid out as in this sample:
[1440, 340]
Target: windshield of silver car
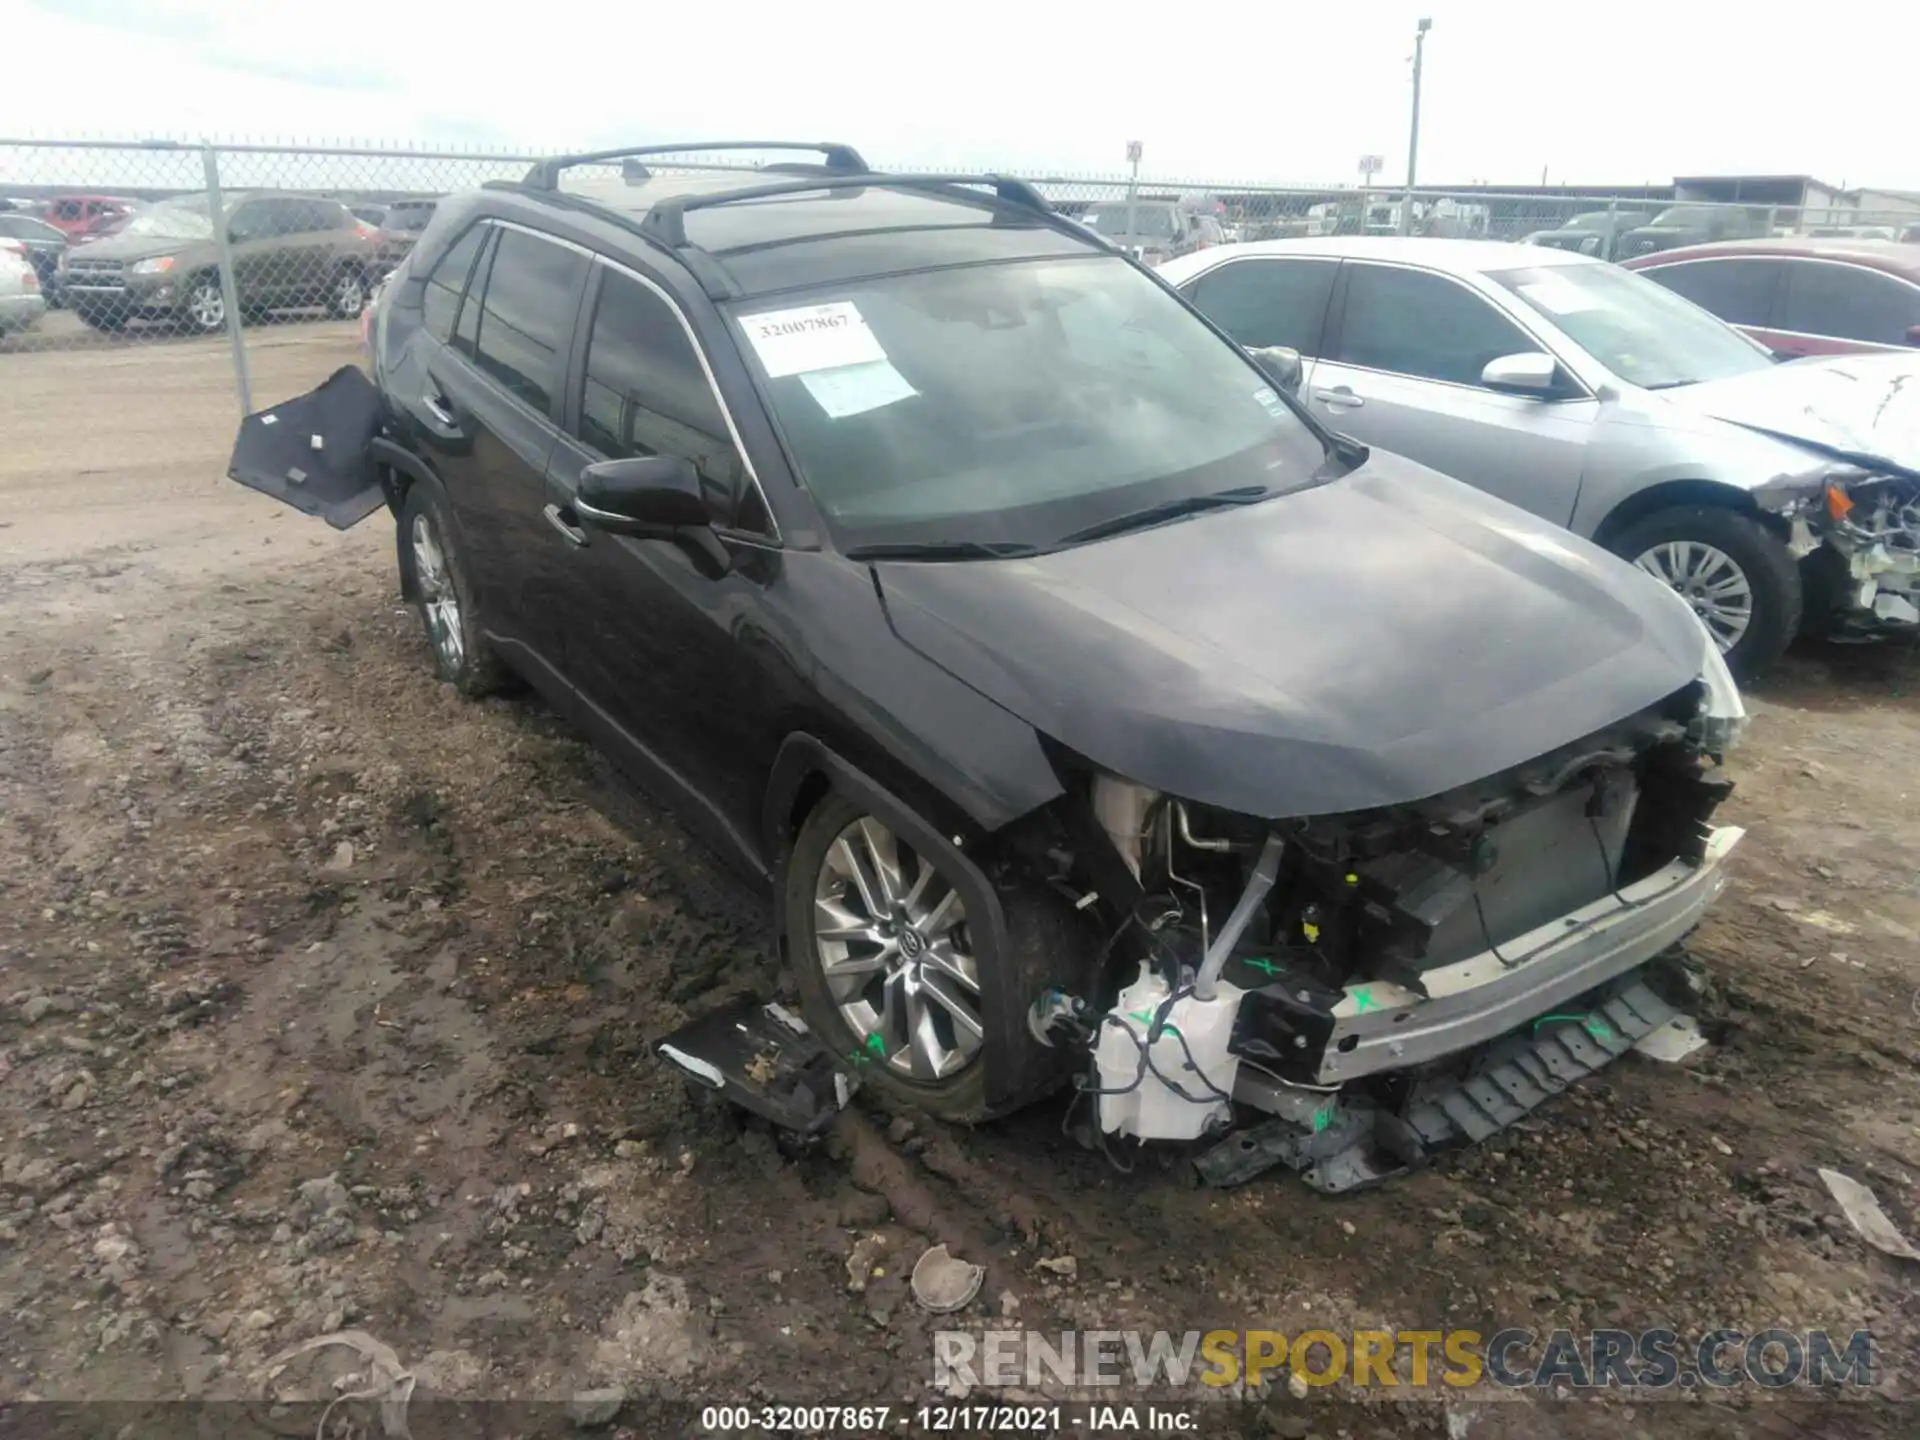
[1641, 331]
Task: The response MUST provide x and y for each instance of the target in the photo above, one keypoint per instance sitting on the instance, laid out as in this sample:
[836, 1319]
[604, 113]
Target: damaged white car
[1774, 499]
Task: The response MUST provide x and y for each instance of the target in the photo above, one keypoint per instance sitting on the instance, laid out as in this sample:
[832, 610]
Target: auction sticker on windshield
[815, 337]
[856, 389]
[1559, 297]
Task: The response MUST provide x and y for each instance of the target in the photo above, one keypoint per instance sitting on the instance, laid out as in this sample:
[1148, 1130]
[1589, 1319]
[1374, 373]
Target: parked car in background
[976, 598]
[21, 303]
[397, 231]
[1679, 225]
[368, 212]
[1597, 232]
[1156, 230]
[1591, 396]
[288, 251]
[1804, 296]
[41, 244]
[105, 225]
[73, 215]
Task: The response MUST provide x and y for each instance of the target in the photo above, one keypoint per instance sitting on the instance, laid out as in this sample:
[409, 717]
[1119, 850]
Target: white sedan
[21, 303]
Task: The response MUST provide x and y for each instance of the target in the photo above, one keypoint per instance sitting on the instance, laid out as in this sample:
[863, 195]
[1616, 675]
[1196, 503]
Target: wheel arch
[399, 469]
[1672, 494]
[805, 771]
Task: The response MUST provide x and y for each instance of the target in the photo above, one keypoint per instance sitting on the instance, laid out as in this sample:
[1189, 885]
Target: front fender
[805, 764]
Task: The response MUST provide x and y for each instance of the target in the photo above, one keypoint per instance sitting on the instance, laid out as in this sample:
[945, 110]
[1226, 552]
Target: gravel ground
[326, 999]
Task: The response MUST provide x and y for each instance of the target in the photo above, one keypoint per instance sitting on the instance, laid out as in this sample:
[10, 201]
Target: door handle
[557, 517]
[437, 408]
[1341, 397]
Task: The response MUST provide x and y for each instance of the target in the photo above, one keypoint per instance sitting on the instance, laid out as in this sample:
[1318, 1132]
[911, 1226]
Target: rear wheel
[1736, 575]
[893, 971]
[443, 597]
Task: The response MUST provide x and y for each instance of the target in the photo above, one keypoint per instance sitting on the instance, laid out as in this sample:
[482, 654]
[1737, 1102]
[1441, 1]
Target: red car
[76, 214]
[1802, 295]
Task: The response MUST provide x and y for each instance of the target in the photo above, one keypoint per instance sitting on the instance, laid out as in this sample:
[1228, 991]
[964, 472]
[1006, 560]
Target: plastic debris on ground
[1863, 1210]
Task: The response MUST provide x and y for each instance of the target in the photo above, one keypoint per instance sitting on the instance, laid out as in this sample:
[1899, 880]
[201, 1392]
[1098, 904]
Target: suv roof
[824, 224]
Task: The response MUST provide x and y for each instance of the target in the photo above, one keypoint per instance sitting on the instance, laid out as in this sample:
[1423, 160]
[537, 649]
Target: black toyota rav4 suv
[1091, 713]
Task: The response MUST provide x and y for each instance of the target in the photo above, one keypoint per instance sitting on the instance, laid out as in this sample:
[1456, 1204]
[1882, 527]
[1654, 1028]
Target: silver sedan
[1581, 392]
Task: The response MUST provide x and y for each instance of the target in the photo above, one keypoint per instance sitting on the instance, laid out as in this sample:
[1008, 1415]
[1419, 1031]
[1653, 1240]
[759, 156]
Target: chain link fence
[228, 257]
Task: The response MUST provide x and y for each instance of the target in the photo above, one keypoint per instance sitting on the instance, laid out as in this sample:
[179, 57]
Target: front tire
[347, 296]
[1731, 569]
[203, 309]
[895, 976]
[436, 576]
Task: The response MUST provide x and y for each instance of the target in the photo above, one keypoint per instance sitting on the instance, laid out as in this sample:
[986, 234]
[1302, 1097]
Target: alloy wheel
[890, 937]
[439, 601]
[206, 306]
[1710, 581]
[349, 295]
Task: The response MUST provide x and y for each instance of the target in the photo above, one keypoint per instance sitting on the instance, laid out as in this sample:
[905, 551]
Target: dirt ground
[326, 1002]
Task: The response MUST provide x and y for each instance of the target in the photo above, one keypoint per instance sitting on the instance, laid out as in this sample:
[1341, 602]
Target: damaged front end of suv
[1346, 994]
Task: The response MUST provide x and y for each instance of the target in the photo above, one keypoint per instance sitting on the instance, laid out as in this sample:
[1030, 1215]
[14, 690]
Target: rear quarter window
[447, 282]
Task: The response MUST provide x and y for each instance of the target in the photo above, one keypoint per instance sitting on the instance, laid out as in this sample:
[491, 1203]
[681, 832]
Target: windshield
[1014, 403]
[1642, 332]
[1693, 215]
[181, 218]
[409, 216]
[1157, 220]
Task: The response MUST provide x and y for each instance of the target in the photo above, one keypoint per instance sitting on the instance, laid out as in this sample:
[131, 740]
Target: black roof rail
[545, 175]
[665, 220]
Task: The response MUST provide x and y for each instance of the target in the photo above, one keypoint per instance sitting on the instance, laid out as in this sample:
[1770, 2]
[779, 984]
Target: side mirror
[1280, 364]
[644, 495]
[1913, 334]
[1528, 373]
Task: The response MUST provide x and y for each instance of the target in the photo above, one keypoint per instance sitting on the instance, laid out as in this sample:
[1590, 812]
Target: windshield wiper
[946, 550]
[1168, 510]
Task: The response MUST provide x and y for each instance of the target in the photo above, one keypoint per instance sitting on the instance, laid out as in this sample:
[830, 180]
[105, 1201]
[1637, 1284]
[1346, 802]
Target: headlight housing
[159, 265]
[1722, 717]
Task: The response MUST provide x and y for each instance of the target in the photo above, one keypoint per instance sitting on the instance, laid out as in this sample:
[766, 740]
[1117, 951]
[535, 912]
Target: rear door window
[1739, 291]
[1849, 301]
[527, 314]
[1268, 302]
[1412, 322]
[646, 393]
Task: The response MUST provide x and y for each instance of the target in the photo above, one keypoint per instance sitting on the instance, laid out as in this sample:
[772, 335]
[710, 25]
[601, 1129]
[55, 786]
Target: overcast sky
[1621, 92]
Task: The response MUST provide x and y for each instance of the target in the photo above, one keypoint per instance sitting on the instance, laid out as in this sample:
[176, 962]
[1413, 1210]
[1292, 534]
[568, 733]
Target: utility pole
[1413, 136]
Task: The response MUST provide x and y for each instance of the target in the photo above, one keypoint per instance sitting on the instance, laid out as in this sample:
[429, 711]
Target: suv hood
[1864, 408]
[135, 247]
[1368, 642]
